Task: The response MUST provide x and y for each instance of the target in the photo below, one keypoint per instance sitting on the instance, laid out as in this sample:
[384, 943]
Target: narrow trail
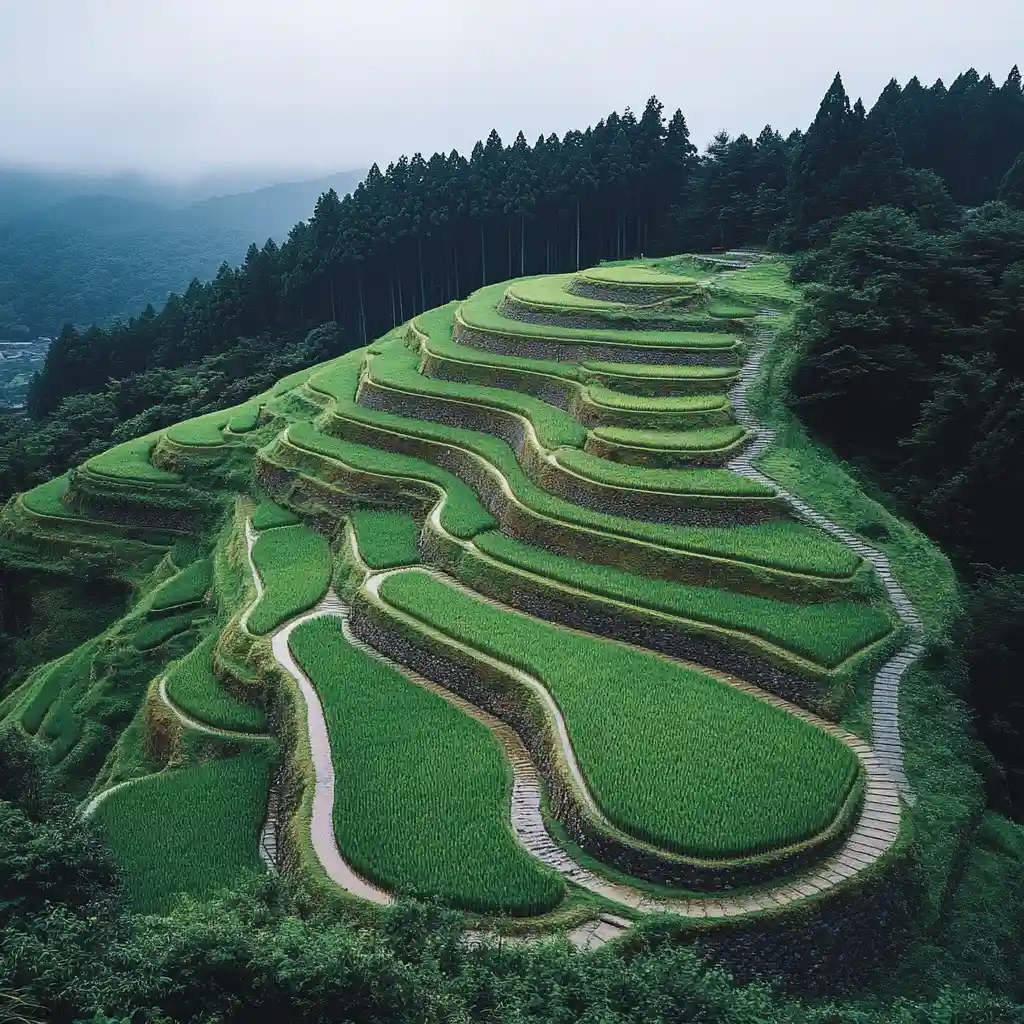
[885, 723]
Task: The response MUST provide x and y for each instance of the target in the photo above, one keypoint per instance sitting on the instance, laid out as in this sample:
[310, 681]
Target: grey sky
[182, 87]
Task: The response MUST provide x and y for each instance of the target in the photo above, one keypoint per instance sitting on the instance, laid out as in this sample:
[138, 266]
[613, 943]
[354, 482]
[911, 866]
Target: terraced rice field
[685, 771]
[191, 830]
[567, 446]
[295, 565]
[422, 790]
[193, 687]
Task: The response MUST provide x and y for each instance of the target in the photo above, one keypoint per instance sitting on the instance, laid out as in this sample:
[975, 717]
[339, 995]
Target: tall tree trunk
[522, 244]
[483, 257]
[510, 248]
[330, 281]
[391, 283]
[577, 234]
[423, 290]
[401, 307]
[362, 308]
[455, 251]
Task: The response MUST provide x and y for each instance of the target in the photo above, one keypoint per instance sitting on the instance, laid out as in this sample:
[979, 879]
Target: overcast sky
[185, 87]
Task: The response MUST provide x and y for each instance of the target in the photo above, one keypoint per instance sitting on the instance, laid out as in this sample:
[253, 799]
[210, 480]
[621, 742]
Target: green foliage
[676, 481]
[421, 789]
[673, 757]
[480, 311]
[130, 462]
[386, 539]
[154, 632]
[192, 685]
[655, 274]
[694, 404]
[202, 431]
[707, 439]
[247, 417]
[398, 367]
[190, 830]
[826, 633]
[46, 498]
[785, 545]
[188, 587]
[462, 515]
[269, 515]
[294, 563]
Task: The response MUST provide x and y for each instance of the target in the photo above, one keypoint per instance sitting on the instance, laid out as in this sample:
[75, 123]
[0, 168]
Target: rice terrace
[525, 607]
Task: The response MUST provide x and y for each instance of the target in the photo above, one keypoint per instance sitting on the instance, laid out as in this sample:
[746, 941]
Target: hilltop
[539, 606]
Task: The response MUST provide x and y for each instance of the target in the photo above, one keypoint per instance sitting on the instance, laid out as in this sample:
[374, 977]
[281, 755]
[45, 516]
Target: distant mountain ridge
[95, 257]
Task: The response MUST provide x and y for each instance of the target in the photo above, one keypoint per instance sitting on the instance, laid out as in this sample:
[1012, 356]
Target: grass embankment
[673, 757]
[186, 588]
[788, 546]
[193, 829]
[129, 462]
[421, 789]
[294, 563]
[826, 634]
[193, 687]
[480, 311]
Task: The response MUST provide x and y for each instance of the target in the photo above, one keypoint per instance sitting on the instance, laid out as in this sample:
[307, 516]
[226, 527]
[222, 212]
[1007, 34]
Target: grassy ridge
[678, 481]
[294, 563]
[788, 546]
[480, 311]
[462, 515]
[421, 789]
[268, 514]
[192, 685]
[705, 440]
[130, 462]
[696, 766]
[193, 830]
[826, 633]
[188, 587]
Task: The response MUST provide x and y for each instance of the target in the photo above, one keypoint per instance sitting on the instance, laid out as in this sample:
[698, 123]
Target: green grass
[192, 685]
[193, 830]
[764, 283]
[676, 481]
[398, 367]
[268, 515]
[480, 312]
[673, 757]
[294, 563]
[826, 634]
[188, 587]
[707, 439]
[728, 308]
[611, 399]
[154, 632]
[130, 462]
[245, 419]
[45, 500]
[784, 545]
[636, 275]
[436, 325]
[463, 516]
[203, 431]
[386, 539]
[421, 789]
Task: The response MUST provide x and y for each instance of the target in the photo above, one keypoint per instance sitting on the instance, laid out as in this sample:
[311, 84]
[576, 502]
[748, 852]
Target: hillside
[93, 258]
[538, 605]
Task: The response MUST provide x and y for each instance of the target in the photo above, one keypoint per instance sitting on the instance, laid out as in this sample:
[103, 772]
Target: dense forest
[95, 257]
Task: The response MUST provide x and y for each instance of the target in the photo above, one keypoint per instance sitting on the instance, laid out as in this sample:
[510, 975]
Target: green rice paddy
[294, 563]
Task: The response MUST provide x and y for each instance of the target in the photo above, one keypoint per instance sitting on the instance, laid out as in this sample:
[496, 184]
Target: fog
[179, 88]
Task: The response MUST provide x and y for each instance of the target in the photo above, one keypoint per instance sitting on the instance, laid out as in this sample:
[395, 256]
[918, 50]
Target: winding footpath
[885, 715]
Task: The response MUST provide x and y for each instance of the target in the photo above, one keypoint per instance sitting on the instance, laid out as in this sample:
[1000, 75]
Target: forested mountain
[93, 258]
